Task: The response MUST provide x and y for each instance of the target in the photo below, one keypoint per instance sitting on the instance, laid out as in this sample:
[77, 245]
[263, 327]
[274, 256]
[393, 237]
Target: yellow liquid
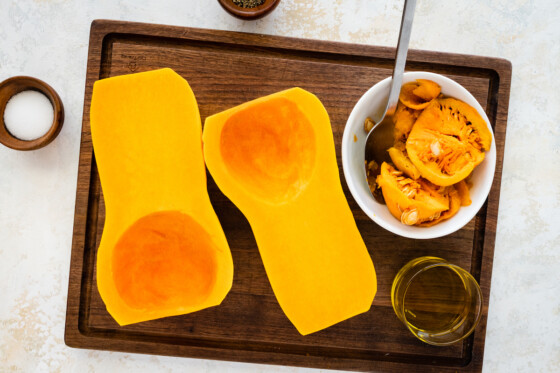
[437, 301]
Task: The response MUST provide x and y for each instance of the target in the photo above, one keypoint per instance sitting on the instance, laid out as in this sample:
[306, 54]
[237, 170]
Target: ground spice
[248, 3]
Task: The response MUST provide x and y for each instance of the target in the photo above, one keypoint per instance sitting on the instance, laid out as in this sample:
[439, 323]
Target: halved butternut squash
[274, 157]
[163, 251]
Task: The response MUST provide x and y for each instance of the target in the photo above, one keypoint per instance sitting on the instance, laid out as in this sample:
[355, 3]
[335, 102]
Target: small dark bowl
[249, 13]
[15, 85]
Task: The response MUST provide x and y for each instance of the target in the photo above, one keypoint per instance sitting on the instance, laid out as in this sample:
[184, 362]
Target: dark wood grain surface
[225, 69]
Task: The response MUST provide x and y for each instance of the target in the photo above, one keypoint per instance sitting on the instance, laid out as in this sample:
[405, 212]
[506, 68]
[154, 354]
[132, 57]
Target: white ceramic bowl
[370, 105]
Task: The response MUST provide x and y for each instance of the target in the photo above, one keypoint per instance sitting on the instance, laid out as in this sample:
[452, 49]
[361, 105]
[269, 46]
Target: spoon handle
[400, 57]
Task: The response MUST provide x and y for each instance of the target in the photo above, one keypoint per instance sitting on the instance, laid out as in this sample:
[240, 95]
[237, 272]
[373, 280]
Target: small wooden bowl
[249, 13]
[15, 85]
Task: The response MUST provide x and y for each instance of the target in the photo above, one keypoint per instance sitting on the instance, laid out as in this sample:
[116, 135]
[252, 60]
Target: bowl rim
[20, 83]
[415, 232]
[249, 13]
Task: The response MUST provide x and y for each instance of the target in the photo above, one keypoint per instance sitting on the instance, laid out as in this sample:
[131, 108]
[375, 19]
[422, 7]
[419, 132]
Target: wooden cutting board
[226, 69]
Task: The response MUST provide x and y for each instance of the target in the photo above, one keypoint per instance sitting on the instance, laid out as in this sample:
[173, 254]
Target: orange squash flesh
[464, 193]
[448, 141]
[437, 143]
[163, 251]
[454, 206]
[165, 259]
[403, 195]
[402, 163]
[427, 90]
[418, 95]
[274, 158]
[404, 119]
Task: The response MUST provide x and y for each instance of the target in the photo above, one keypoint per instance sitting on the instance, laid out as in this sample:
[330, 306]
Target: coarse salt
[28, 115]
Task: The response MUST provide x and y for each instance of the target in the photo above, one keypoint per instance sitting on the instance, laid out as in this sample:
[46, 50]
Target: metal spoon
[380, 137]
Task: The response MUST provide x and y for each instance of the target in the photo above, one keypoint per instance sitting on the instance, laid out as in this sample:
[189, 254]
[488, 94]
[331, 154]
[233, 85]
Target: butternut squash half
[163, 251]
[274, 157]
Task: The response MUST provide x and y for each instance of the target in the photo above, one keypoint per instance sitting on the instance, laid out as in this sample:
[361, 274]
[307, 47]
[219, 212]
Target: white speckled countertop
[48, 39]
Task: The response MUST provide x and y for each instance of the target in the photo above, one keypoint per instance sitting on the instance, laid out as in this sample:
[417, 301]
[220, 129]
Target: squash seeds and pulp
[438, 142]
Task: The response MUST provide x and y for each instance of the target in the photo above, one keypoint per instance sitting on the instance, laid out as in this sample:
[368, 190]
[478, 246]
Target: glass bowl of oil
[439, 302]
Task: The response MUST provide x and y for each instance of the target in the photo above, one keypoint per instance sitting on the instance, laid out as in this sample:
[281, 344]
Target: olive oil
[436, 300]
[439, 302]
